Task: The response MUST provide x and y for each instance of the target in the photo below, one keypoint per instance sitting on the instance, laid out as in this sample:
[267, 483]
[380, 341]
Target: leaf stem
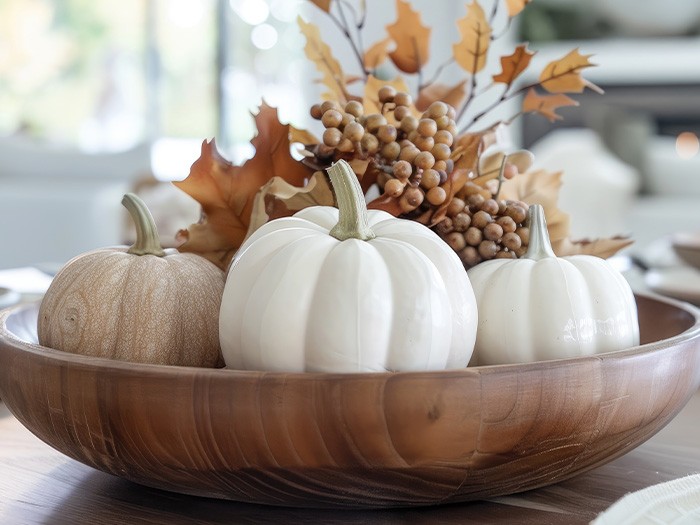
[353, 222]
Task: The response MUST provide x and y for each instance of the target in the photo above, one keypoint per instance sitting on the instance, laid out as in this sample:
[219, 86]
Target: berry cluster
[412, 153]
[480, 228]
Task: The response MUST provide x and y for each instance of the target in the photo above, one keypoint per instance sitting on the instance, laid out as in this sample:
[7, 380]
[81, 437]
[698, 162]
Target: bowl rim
[105, 364]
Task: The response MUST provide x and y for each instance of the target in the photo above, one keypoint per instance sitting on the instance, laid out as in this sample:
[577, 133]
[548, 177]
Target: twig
[437, 74]
[345, 29]
[506, 96]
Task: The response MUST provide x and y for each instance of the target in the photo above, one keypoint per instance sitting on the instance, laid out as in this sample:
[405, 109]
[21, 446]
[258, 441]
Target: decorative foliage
[412, 136]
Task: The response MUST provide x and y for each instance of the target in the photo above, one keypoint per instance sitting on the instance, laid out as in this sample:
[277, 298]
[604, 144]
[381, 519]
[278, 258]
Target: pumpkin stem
[147, 240]
[539, 246]
[352, 209]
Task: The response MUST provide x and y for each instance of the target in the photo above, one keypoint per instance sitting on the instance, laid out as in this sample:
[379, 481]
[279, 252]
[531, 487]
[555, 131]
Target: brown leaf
[540, 187]
[320, 54]
[452, 95]
[226, 192]
[513, 65]
[412, 39]
[278, 198]
[377, 54]
[370, 100]
[323, 5]
[475, 31]
[516, 6]
[564, 75]
[603, 248]
[466, 150]
[546, 105]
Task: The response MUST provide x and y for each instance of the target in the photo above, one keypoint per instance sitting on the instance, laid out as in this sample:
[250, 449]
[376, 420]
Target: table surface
[39, 485]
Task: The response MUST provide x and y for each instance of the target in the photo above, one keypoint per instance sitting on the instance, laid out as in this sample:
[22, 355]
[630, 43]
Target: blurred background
[99, 97]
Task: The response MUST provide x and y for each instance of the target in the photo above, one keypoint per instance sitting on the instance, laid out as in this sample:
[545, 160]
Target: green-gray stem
[147, 240]
[352, 209]
[539, 246]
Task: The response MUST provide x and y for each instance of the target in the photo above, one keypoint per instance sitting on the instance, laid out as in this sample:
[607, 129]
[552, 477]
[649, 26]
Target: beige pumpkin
[138, 303]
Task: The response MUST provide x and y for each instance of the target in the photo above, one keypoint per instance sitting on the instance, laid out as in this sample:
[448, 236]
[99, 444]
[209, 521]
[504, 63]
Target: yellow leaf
[323, 5]
[564, 75]
[546, 105]
[320, 54]
[370, 101]
[540, 187]
[516, 6]
[412, 39]
[475, 31]
[604, 248]
[452, 95]
[377, 54]
[513, 65]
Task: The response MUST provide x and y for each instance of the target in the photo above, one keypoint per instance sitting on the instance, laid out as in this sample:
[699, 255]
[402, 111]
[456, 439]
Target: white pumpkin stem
[539, 246]
[353, 222]
[147, 240]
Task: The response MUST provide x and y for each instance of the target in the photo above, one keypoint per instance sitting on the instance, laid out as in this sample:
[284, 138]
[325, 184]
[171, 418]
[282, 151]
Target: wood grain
[364, 440]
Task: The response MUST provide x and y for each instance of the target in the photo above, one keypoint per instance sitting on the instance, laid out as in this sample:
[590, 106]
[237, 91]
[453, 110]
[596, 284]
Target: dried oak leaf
[452, 95]
[226, 192]
[468, 147]
[278, 198]
[540, 187]
[411, 37]
[514, 64]
[546, 105]
[302, 136]
[320, 54]
[564, 75]
[377, 54]
[516, 6]
[604, 248]
[475, 31]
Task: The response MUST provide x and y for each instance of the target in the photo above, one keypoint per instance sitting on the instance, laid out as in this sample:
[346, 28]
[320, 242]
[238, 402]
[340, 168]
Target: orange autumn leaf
[452, 95]
[319, 53]
[564, 75]
[514, 64]
[412, 39]
[323, 5]
[377, 54]
[516, 6]
[546, 105]
[227, 192]
[475, 32]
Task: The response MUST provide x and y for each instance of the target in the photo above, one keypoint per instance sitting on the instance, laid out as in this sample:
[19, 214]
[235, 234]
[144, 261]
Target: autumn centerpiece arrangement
[401, 239]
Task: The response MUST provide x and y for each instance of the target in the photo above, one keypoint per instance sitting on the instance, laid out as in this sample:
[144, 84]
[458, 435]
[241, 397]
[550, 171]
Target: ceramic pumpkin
[346, 290]
[543, 307]
[138, 303]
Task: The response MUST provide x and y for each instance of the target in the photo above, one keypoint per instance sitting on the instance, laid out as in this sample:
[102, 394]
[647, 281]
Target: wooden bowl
[344, 440]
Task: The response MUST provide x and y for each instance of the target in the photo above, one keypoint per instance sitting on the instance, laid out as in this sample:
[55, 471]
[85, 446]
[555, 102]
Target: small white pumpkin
[543, 307]
[346, 290]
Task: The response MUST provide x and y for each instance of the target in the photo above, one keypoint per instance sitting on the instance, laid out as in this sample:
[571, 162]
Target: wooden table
[41, 486]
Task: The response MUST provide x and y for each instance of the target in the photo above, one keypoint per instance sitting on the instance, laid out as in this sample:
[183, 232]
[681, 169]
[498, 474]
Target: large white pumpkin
[346, 291]
[543, 307]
